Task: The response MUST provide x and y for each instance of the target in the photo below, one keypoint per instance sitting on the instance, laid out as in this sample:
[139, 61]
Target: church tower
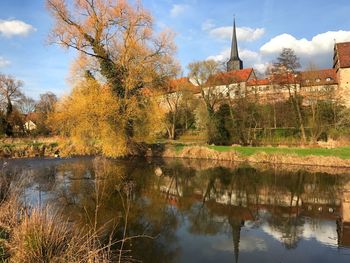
[234, 63]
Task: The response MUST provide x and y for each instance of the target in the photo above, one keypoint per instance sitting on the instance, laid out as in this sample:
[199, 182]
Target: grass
[341, 152]
[179, 147]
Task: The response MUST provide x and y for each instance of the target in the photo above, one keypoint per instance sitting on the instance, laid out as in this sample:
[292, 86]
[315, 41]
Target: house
[29, 126]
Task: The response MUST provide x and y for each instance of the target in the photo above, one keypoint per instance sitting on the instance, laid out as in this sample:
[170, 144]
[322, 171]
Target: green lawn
[341, 152]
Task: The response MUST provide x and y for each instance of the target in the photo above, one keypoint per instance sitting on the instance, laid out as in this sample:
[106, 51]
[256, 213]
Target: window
[328, 79]
[318, 80]
[307, 81]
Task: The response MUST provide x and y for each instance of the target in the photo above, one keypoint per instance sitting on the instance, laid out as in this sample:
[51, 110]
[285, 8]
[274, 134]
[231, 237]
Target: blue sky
[203, 30]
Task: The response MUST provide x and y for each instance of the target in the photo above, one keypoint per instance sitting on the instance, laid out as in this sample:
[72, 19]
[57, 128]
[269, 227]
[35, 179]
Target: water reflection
[199, 211]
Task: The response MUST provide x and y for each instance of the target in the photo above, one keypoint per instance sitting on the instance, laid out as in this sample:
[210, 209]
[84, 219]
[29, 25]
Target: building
[332, 83]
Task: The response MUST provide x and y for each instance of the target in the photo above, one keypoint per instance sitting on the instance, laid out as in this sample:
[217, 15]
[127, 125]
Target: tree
[88, 120]
[178, 101]
[323, 111]
[286, 76]
[87, 117]
[26, 105]
[10, 92]
[43, 108]
[203, 74]
[119, 37]
[46, 102]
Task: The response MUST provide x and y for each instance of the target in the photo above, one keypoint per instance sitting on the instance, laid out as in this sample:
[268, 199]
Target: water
[199, 211]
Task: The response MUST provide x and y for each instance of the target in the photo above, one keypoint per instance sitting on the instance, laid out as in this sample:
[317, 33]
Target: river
[197, 211]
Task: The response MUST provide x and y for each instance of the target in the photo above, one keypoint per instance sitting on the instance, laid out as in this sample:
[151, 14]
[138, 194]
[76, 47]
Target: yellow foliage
[149, 122]
[88, 117]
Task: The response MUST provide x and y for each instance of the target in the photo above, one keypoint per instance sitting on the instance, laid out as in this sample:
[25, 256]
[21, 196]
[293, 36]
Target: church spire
[234, 63]
[234, 46]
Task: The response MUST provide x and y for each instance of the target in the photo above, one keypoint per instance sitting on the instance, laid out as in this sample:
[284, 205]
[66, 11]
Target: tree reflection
[208, 200]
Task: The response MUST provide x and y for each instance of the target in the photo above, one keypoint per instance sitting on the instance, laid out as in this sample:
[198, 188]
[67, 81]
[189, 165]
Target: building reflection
[343, 224]
[284, 201]
[212, 201]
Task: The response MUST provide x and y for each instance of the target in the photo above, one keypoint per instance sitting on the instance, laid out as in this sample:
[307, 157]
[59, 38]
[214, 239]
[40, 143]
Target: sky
[203, 30]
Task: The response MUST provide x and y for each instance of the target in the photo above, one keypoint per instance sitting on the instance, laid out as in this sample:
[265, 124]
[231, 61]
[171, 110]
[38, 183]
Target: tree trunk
[302, 129]
[274, 116]
[8, 126]
[294, 98]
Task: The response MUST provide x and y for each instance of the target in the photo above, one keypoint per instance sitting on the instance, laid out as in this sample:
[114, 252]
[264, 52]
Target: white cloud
[243, 33]
[318, 50]
[222, 56]
[4, 62]
[324, 232]
[9, 28]
[178, 9]
[320, 43]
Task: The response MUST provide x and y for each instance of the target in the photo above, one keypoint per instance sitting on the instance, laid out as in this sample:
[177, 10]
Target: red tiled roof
[258, 82]
[319, 77]
[343, 51]
[181, 84]
[234, 76]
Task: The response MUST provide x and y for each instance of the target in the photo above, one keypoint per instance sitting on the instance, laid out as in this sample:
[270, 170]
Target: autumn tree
[10, 93]
[119, 37]
[88, 119]
[286, 76]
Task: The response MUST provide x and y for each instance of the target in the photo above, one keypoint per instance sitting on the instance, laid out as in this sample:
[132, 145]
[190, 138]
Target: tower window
[328, 79]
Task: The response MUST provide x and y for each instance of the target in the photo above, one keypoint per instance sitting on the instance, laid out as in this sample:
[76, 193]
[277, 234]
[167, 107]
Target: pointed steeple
[234, 63]
[234, 46]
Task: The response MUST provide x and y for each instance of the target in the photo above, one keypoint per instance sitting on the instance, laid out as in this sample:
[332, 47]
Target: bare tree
[44, 107]
[10, 93]
[26, 105]
[46, 103]
[176, 99]
[286, 76]
[202, 73]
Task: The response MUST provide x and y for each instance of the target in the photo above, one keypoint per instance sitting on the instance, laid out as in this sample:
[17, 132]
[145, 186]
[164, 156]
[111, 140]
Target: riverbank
[336, 157]
[310, 156]
[27, 148]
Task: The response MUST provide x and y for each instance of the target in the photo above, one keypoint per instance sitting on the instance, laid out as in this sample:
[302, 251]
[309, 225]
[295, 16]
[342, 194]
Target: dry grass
[41, 235]
[272, 157]
[200, 152]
